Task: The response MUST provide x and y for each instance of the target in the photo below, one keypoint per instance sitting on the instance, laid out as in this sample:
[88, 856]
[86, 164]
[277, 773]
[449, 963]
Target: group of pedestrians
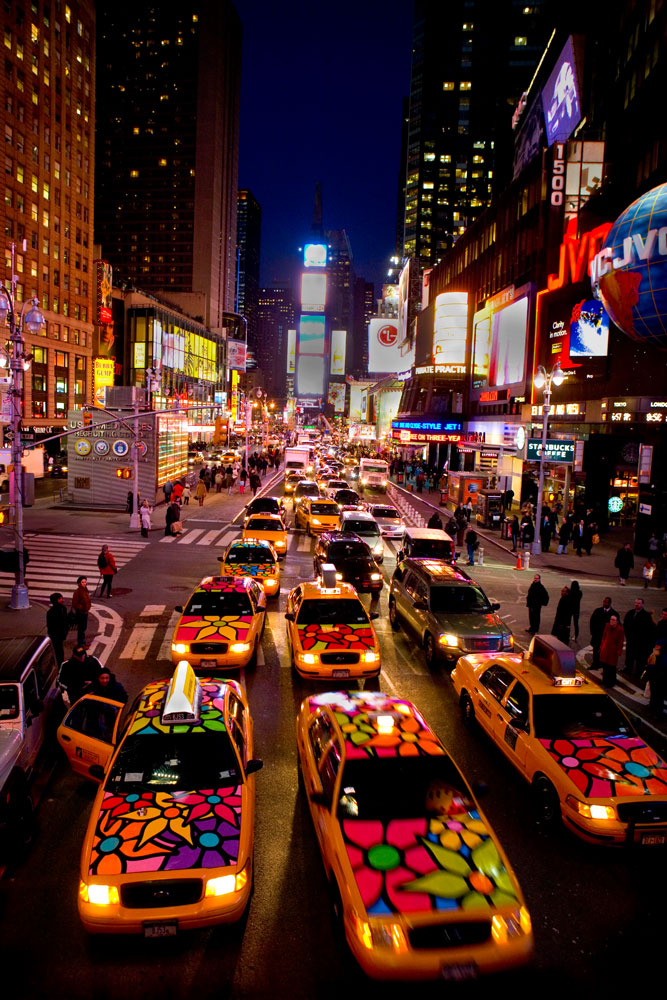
[568, 609]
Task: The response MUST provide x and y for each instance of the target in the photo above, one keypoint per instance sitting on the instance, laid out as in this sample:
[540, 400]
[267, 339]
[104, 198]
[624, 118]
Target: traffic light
[87, 418]
[124, 473]
[219, 432]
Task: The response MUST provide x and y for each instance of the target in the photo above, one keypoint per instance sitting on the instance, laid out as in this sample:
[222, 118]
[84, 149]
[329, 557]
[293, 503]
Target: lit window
[520, 41]
[445, 158]
[34, 33]
[68, 13]
[134, 173]
[468, 26]
[478, 159]
[465, 85]
[449, 85]
[429, 156]
[427, 185]
[135, 131]
[162, 163]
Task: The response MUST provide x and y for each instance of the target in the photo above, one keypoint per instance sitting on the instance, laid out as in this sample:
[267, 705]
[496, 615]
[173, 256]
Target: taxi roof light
[184, 696]
[555, 660]
[328, 574]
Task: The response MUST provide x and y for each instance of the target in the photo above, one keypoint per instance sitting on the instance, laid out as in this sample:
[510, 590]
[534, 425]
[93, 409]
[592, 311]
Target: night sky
[321, 101]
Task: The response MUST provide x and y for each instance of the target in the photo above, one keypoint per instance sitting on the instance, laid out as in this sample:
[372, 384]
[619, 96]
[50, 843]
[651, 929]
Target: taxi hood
[602, 767]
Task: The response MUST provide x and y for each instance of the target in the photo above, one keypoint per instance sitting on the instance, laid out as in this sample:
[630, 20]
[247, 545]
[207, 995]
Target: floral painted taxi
[329, 632]
[169, 843]
[417, 876]
[254, 558]
[221, 624]
[570, 740]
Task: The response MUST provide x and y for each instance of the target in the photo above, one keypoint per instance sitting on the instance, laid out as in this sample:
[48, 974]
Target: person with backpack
[107, 567]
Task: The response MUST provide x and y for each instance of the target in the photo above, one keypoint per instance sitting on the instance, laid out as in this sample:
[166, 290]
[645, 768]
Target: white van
[374, 474]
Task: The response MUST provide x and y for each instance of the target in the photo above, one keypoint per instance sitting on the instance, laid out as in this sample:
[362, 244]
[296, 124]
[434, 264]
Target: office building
[275, 316]
[248, 234]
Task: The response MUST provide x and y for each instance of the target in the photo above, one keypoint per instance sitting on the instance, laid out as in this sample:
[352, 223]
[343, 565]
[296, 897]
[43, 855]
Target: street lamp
[541, 380]
[31, 319]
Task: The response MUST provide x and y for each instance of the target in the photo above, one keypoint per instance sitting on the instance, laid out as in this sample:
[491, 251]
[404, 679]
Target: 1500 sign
[555, 451]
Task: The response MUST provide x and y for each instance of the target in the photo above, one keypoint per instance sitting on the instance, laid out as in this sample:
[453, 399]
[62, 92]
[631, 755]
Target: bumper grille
[152, 895]
[482, 645]
[339, 657]
[209, 647]
[642, 812]
[455, 935]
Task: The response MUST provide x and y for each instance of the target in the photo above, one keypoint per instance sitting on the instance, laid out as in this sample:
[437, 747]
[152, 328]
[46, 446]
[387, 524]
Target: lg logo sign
[387, 335]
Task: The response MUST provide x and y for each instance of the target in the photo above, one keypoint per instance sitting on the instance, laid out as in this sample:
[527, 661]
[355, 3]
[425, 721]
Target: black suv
[264, 505]
[352, 558]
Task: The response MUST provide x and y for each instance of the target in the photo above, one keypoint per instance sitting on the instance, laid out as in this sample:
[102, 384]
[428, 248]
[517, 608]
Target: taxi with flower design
[417, 877]
[255, 558]
[221, 624]
[329, 631]
[269, 528]
[570, 740]
[169, 843]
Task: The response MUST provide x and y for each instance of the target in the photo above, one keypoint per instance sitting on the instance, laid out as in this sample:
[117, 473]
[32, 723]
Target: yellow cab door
[488, 694]
[88, 733]
[513, 725]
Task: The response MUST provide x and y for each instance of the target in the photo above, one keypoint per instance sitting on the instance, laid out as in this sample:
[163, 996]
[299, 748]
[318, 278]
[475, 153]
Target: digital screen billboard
[500, 339]
[236, 354]
[336, 396]
[450, 328]
[560, 97]
[573, 330]
[291, 352]
[315, 255]
[313, 292]
[311, 335]
[310, 375]
[338, 348]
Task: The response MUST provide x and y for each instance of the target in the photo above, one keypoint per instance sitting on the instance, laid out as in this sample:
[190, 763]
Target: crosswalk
[56, 561]
[297, 541]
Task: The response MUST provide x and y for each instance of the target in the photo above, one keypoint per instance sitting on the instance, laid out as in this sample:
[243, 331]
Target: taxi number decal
[484, 707]
[511, 736]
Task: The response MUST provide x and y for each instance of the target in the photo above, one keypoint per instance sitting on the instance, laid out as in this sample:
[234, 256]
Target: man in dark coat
[624, 562]
[639, 629]
[600, 617]
[57, 625]
[563, 619]
[435, 521]
[545, 531]
[536, 599]
[78, 674]
[173, 514]
[106, 686]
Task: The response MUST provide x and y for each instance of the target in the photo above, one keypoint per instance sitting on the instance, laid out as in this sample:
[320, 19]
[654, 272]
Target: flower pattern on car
[148, 715]
[602, 767]
[166, 831]
[232, 628]
[251, 569]
[223, 585]
[421, 865]
[335, 637]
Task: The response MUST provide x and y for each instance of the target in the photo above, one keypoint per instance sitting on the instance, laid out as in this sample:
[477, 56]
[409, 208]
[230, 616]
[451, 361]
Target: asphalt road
[598, 915]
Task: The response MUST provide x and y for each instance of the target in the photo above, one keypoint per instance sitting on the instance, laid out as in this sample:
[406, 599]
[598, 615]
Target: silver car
[389, 520]
[363, 524]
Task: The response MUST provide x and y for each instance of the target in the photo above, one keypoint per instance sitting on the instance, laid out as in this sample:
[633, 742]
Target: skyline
[352, 142]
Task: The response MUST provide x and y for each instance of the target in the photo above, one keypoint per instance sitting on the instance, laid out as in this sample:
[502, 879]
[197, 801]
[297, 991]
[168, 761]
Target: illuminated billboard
[103, 376]
[103, 288]
[315, 255]
[589, 330]
[313, 292]
[450, 327]
[336, 396]
[291, 352]
[310, 375]
[338, 346]
[500, 340]
[311, 335]
[384, 354]
[560, 97]
[236, 355]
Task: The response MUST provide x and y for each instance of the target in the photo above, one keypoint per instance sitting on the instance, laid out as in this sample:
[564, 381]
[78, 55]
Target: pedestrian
[654, 547]
[254, 482]
[107, 567]
[536, 599]
[185, 497]
[563, 618]
[575, 597]
[218, 481]
[527, 530]
[508, 497]
[420, 480]
[639, 630]
[468, 510]
[661, 627]
[105, 685]
[563, 537]
[200, 492]
[168, 489]
[656, 670]
[648, 570]
[57, 626]
[545, 531]
[435, 521]
[471, 544]
[172, 515]
[229, 479]
[145, 517]
[129, 506]
[515, 531]
[81, 607]
[600, 617]
[610, 650]
[177, 492]
[243, 475]
[624, 562]
[579, 536]
[77, 674]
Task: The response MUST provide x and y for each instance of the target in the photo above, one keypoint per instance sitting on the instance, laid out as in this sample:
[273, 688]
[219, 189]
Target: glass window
[328, 771]
[497, 680]
[218, 603]
[517, 704]
[321, 735]
[395, 788]
[62, 359]
[346, 611]
[175, 762]
[585, 716]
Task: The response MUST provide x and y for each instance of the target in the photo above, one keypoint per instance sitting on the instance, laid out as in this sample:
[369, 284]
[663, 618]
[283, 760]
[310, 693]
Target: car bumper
[614, 832]
[212, 661]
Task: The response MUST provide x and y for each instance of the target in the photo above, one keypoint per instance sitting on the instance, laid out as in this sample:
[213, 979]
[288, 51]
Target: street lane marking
[304, 544]
[209, 537]
[139, 642]
[152, 609]
[165, 648]
[190, 536]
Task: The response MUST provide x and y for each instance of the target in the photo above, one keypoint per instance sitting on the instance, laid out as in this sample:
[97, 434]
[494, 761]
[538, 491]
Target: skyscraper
[471, 62]
[248, 234]
[275, 316]
[168, 132]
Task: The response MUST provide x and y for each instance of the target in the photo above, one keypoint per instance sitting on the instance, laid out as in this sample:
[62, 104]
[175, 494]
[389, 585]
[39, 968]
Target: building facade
[275, 316]
[248, 235]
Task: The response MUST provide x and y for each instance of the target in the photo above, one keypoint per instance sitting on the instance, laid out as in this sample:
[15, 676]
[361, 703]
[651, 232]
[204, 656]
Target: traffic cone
[519, 564]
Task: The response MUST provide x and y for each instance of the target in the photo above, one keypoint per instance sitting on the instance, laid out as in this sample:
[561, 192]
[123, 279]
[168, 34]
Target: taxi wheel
[547, 803]
[393, 616]
[467, 710]
[252, 662]
[430, 652]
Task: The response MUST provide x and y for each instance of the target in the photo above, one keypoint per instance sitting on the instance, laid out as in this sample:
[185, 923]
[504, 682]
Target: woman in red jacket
[107, 567]
[611, 648]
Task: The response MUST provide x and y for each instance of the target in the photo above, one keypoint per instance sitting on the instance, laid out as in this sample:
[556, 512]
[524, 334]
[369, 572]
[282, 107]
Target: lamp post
[556, 377]
[30, 318]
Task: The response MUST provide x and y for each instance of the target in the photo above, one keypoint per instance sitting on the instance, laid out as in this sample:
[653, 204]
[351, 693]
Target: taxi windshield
[267, 504]
[9, 702]
[264, 524]
[457, 600]
[324, 508]
[216, 602]
[251, 554]
[577, 716]
[178, 762]
[387, 788]
[345, 611]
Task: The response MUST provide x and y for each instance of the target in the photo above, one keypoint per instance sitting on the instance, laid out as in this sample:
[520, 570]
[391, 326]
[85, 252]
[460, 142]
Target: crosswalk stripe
[164, 652]
[139, 642]
[188, 537]
[209, 537]
[152, 609]
[304, 544]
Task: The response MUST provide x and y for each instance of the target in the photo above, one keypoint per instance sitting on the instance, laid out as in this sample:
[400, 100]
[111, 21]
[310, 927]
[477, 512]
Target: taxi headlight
[376, 576]
[310, 658]
[280, 544]
[270, 580]
[180, 647]
[448, 639]
[221, 886]
[316, 520]
[591, 811]
[239, 647]
[99, 895]
[371, 657]
[514, 925]
[363, 481]
[339, 576]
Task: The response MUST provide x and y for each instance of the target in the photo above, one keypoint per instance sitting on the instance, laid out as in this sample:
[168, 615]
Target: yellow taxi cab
[329, 631]
[221, 624]
[291, 479]
[570, 740]
[229, 457]
[254, 558]
[268, 528]
[417, 876]
[169, 843]
[323, 476]
[316, 515]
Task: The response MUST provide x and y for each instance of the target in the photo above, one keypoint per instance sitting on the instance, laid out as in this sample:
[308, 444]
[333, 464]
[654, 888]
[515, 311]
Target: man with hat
[57, 626]
[78, 674]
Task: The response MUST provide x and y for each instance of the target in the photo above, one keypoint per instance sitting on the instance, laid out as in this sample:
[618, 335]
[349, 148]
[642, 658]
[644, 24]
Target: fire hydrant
[526, 559]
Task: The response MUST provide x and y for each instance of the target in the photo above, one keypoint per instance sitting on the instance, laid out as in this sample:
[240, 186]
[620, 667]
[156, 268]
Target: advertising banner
[560, 97]
[384, 354]
[236, 355]
[103, 286]
[313, 292]
[336, 396]
[311, 335]
[450, 329]
[573, 330]
[338, 348]
[291, 352]
[310, 375]
[315, 255]
[554, 451]
[235, 395]
[500, 341]
[103, 374]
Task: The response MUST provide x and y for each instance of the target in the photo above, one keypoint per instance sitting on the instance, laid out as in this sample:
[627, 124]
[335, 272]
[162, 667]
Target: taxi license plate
[457, 973]
[652, 839]
[168, 928]
[208, 663]
[340, 673]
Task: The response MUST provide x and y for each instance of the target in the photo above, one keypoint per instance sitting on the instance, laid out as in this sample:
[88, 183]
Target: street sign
[555, 451]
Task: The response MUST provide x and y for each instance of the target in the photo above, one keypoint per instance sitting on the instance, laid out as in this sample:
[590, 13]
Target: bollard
[480, 557]
[526, 559]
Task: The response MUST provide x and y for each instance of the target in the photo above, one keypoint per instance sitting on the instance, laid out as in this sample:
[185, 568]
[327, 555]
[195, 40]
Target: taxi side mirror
[254, 765]
[96, 771]
[178, 607]
[495, 606]
[290, 616]
[373, 615]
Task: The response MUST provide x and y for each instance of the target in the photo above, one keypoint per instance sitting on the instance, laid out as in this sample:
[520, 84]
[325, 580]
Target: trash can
[399, 478]
[443, 498]
[505, 529]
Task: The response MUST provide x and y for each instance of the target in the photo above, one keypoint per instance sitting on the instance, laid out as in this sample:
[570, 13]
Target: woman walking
[611, 649]
[243, 475]
[575, 597]
[107, 568]
[145, 516]
[200, 492]
[229, 479]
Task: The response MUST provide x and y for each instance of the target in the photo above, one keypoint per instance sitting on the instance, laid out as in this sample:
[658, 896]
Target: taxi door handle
[499, 716]
[65, 739]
